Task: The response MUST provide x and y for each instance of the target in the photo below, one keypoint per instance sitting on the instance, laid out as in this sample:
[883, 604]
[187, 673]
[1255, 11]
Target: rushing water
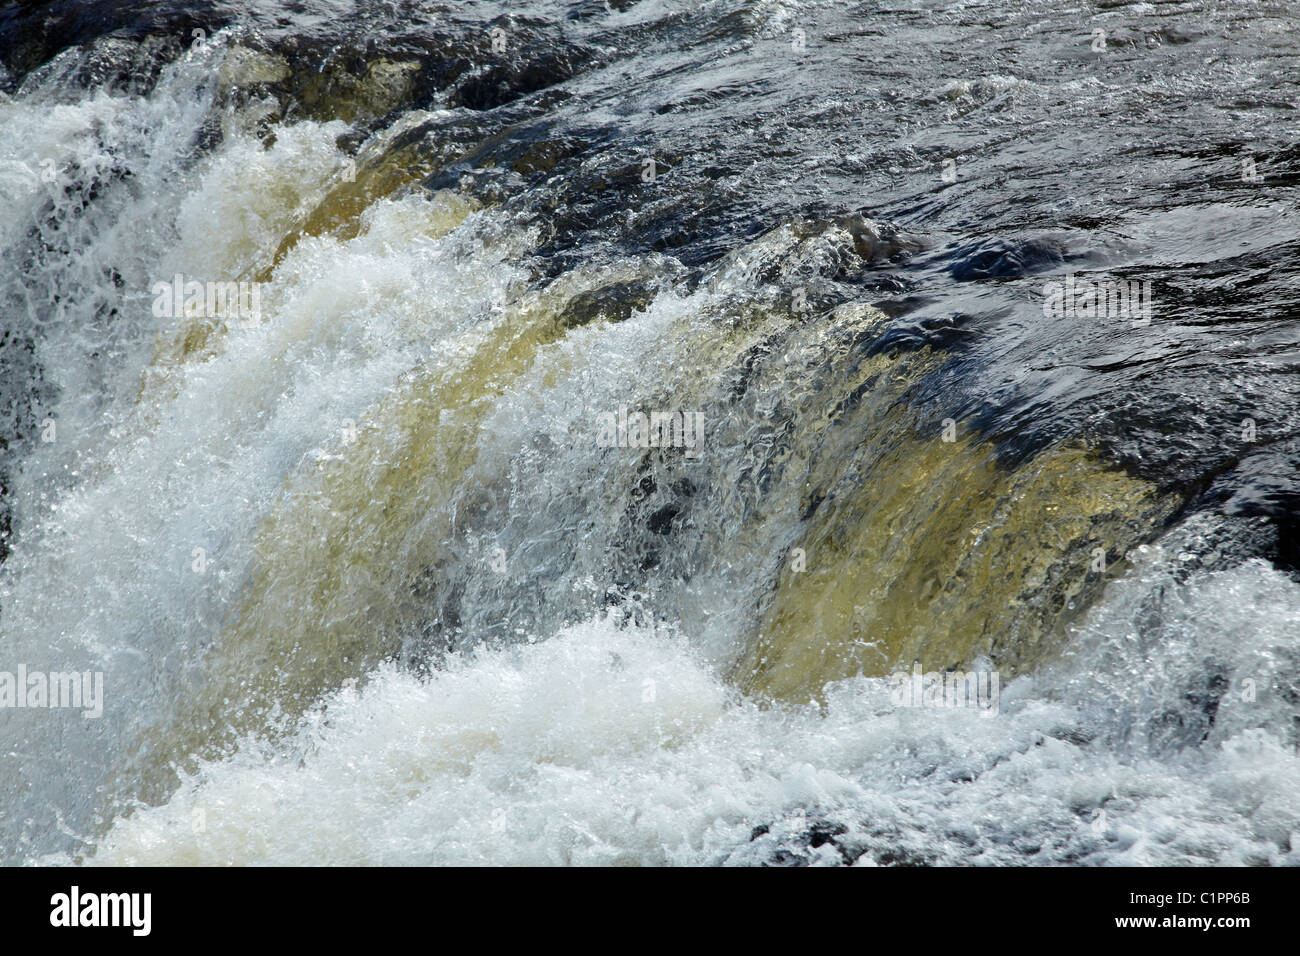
[372, 570]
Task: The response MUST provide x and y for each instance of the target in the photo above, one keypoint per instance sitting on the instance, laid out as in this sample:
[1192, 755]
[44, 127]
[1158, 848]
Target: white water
[149, 465]
[612, 744]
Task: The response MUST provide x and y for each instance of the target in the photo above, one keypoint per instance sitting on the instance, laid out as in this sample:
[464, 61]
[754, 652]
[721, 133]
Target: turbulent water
[374, 568]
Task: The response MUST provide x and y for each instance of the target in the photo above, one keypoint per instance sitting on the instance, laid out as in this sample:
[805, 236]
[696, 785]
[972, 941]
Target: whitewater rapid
[613, 744]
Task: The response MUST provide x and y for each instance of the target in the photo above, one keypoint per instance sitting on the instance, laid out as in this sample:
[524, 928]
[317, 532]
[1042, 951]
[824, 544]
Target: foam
[617, 744]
